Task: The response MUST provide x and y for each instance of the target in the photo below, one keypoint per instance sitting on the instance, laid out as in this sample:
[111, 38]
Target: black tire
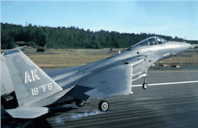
[80, 102]
[103, 106]
[145, 86]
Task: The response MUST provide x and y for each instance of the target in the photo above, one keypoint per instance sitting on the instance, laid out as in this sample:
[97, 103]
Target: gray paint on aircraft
[101, 79]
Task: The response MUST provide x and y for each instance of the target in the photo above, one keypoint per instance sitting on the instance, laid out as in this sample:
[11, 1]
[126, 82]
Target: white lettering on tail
[34, 76]
[34, 91]
[27, 77]
[50, 86]
[42, 88]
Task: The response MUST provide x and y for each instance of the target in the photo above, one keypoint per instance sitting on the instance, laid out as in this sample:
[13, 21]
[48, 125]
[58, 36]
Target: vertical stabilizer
[31, 84]
[5, 78]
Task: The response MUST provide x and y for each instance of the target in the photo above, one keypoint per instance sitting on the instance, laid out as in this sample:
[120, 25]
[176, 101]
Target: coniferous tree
[70, 37]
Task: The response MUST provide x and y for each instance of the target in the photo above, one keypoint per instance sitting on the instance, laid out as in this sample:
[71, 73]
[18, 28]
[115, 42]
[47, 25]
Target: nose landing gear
[145, 85]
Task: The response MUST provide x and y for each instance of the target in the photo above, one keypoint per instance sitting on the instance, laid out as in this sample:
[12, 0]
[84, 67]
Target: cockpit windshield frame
[154, 40]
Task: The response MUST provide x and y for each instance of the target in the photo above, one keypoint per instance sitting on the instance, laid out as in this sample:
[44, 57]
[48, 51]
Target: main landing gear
[145, 85]
[80, 102]
[103, 106]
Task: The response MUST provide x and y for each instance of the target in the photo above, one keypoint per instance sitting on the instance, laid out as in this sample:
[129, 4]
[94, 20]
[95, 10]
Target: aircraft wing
[116, 80]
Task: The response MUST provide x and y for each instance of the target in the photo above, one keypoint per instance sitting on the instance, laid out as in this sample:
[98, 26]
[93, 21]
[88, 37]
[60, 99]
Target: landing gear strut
[80, 102]
[103, 106]
[145, 85]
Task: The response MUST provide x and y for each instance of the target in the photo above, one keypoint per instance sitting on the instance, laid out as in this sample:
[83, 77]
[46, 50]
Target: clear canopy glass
[154, 40]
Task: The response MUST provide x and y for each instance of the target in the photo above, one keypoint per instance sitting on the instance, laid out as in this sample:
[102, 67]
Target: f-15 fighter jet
[37, 91]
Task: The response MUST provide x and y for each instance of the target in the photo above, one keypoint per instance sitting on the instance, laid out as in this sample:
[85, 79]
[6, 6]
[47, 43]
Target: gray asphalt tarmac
[163, 106]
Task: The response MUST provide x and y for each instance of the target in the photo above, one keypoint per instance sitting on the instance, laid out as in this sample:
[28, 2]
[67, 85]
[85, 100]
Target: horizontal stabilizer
[27, 113]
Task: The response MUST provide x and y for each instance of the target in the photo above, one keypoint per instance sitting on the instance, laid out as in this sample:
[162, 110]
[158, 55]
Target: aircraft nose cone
[188, 45]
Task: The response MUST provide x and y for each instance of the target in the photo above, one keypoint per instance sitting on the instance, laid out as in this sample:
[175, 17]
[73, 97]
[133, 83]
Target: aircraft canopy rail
[150, 41]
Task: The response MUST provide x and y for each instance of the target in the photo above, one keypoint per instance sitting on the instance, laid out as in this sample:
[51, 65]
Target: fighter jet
[38, 91]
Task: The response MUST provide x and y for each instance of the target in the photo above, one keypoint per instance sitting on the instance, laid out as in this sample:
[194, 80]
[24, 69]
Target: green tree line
[71, 37]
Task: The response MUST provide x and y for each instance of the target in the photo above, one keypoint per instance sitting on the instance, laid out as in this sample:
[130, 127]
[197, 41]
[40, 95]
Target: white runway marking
[168, 83]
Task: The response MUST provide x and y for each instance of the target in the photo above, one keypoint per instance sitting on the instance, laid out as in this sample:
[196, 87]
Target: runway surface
[164, 106]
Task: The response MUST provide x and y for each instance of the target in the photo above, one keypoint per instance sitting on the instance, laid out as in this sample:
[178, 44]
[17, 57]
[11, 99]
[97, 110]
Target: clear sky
[171, 18]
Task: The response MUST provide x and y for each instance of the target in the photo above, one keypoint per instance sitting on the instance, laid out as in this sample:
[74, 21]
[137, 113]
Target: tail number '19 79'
[43, 88]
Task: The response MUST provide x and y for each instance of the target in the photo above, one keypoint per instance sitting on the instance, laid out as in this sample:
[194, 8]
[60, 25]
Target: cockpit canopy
[154, 40]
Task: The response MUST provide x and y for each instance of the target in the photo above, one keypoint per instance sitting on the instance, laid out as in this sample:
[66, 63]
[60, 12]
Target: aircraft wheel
[80, 102]
[145, 86]
[103, 106]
